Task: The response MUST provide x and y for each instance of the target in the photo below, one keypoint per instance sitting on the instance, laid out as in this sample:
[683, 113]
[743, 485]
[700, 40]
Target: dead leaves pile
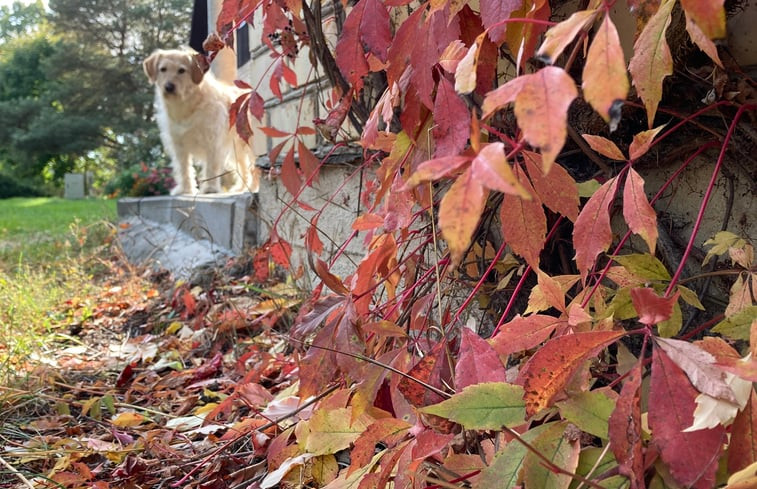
[154, 385]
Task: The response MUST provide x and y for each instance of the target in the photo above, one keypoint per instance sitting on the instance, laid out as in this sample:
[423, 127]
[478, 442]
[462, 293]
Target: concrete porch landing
[184, 232]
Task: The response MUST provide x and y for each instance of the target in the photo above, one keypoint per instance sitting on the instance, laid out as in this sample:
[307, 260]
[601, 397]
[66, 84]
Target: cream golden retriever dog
[192, 109]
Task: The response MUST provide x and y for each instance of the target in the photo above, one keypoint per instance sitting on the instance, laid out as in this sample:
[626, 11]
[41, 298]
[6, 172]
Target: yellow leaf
[652, 60]
[459, 213]
[128, 419]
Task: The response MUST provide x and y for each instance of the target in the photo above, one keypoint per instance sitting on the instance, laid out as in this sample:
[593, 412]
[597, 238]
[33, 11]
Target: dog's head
[175, 71]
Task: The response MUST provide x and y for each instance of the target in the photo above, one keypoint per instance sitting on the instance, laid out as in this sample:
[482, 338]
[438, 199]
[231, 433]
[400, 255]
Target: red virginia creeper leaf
[638, 212]
[652, 60]
[428, 41]
[350, 54]
[436, 169]
[524, 333]
[275, 82]
[308, 162]
[557, 191]
[548, 371]
[491, 169]
[592, 234]
[503, 95]
[385, 430]
[652, 309]
[625, 430]
[289, 173]
[313, 242]
[605, 83]
[459, 213]
[451, 121]
[699, 366]
[495, 11]
[559, 36]
[541, 108]
[691, 456]
[427, 370]
[524, 224]
[742, 451]
[477, 362]
[256, 106]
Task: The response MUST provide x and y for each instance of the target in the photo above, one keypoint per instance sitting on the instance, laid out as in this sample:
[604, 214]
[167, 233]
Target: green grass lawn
[38, 230]
[48, 252]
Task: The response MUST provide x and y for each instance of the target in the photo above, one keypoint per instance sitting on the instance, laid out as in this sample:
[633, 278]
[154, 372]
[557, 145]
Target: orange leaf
[524, 224]
[367, 221]
[605, 83]
[553, 365]
[652, 60]
[523, 333]
[557, 191]
[638, 212]
[642, 142]
[592, 234]
[491, 169]
[604, 146]
[559, 36]
[459, 213]
[702, 41]
[708, 15]
[522, 37]
[652, 309]
[273, 132]
[541, 108]
[290, 176]
[435, 169]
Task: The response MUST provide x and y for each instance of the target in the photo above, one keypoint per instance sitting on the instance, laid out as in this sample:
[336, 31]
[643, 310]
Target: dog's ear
[150, 65]
[200, 66]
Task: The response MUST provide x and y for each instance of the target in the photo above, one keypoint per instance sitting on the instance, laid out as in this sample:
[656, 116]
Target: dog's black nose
[170, 87]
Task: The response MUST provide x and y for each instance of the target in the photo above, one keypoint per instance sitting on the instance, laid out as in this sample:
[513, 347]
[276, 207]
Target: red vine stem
[707, 196]
[480, 282]
[522, 281]
[657, 196]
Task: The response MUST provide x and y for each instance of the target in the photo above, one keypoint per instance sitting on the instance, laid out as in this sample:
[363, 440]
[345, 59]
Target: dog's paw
[210, 189]
[183, 191]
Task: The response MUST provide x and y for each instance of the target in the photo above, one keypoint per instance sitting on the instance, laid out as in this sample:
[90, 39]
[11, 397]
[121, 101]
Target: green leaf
[721, 242]
[644, 265]
[737, 327]
[620, 307]
[590, 411]
[486, 406]
[504, 471]
[690, 297]
[558, 449]
[588, 461]
[672, 326]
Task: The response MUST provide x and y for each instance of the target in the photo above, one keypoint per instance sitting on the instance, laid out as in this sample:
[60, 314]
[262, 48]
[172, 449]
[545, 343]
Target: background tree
[72, 92]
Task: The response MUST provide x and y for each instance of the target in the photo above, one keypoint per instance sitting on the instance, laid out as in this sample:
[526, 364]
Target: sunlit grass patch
[49, 252]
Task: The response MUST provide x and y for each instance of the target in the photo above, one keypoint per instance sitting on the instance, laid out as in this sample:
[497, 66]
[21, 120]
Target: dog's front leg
[211, 172]
[183, 173]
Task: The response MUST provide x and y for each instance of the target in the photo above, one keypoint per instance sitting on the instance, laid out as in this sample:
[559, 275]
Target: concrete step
[181, 233]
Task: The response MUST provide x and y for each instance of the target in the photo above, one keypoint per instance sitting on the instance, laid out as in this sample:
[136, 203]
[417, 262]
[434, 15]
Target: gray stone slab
[181, 233]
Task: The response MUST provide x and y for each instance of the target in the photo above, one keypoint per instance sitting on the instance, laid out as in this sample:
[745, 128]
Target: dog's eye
[181, 70]
[163, 69]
